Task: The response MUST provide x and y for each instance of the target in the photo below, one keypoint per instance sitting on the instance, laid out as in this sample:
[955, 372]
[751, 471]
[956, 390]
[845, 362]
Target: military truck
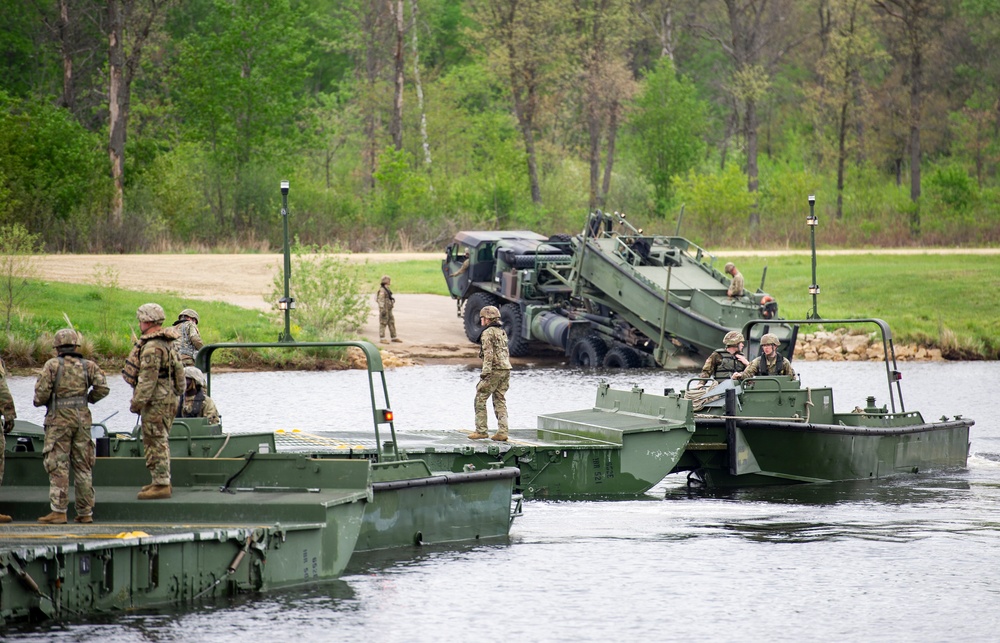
[610, 296]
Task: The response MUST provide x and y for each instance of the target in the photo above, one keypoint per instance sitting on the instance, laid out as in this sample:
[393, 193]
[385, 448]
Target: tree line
[130, 125]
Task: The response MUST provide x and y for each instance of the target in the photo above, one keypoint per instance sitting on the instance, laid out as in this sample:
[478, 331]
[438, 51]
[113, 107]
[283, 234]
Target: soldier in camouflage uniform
[159, 381]
[722, 363]
[194, 403]
[770, 363]
[736, 285]
[495, 377]
[189, 341]
[385, 303]
[67, 385]
[9, 414]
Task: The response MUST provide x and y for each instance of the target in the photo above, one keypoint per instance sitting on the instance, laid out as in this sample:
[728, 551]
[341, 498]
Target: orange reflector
[386, 415]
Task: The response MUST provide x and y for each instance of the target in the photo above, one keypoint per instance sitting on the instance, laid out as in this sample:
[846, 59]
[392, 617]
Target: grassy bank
[943, 301]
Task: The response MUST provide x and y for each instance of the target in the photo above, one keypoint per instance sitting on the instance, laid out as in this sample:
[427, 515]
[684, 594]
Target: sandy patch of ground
[427, 324]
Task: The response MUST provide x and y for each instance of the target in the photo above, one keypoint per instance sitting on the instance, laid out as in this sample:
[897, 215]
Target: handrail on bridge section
[203, 360]
[892, 374]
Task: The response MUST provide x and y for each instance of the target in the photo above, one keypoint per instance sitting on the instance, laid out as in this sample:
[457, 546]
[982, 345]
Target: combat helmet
[733, 338]
[385, 280]
[770, 339]
[489, 312]
[729, 266]
[195, 373]
[66, 337]
[190, 312]
[150, 313]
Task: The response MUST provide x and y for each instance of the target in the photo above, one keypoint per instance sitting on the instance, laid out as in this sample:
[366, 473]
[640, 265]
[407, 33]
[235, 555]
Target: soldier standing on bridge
[494, 380]
[67, 385]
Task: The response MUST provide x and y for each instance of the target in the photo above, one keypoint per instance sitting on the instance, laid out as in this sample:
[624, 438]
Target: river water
[910, 559]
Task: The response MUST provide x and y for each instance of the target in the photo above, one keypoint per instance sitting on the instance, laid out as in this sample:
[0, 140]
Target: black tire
[622, 357]
[588, 352]
[475, 303]
[512, 319]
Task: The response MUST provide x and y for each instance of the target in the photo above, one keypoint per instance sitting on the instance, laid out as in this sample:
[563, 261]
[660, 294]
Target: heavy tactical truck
[610, 296]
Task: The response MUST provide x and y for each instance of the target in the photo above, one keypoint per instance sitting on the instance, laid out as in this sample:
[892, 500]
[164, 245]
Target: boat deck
[355, 443]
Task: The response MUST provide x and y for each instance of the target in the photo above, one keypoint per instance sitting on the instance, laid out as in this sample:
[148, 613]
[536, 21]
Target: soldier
[194, 403]
[495, 377]
[190, 339]
[722, 363]
[464, 267]
[770, 363]
[67, 385]
[8, 413]
[736, 285]
[158, 382]
[385, 303]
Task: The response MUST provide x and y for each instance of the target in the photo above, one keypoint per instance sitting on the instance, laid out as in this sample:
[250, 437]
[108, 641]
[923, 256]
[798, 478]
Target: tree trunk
[916, 97]
[750, 131]
[594, 152]
[425, 143]
[68, 99]
[841, 158]
[610, 161]
[396, 126]
[524, 110]
[117, 109]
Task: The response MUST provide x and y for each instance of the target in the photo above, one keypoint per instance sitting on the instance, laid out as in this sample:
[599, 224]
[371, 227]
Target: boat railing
[892, 374]
[376, 381]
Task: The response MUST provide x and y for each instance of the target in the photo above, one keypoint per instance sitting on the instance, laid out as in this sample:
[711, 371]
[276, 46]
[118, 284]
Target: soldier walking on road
[385, 303]
[158, 382]
[494, 380]
[189, 341]
[68, 385]
[8, 413]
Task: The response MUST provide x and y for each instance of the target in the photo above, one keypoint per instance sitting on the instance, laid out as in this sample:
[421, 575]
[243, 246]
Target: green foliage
[400, 189]
[666, 128]
[952, 187]
[52, 170]
[330, 294]
[716, 204]
[17, 267]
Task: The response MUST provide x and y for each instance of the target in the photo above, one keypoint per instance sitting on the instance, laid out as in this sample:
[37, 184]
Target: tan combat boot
[156, 492]
[54, 518]
[86, 520]
[478, 435]
[5, 518]
[498, 437]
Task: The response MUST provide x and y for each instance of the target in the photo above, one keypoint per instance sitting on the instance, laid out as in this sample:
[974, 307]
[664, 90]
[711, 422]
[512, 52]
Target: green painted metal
[231, 526]
[412, 504]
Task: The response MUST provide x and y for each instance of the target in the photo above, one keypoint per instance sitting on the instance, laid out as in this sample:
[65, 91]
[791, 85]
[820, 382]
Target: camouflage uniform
[189, 340]
[67, 385]
[194, 403]
[494, 379]
[385, 303]
[721, 365]
[736, 285]
[9, 414]
[161, 375]
[769, 366]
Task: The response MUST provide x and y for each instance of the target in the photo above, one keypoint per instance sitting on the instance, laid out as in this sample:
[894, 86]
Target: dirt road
[427, 324]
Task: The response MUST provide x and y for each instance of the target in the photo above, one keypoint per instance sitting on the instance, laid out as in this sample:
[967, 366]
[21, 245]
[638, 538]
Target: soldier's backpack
[130, 373]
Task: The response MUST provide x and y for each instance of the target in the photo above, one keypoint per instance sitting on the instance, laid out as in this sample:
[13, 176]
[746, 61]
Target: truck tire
[512, 321]
[475, 303]
[588, 352]
[622, 357]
